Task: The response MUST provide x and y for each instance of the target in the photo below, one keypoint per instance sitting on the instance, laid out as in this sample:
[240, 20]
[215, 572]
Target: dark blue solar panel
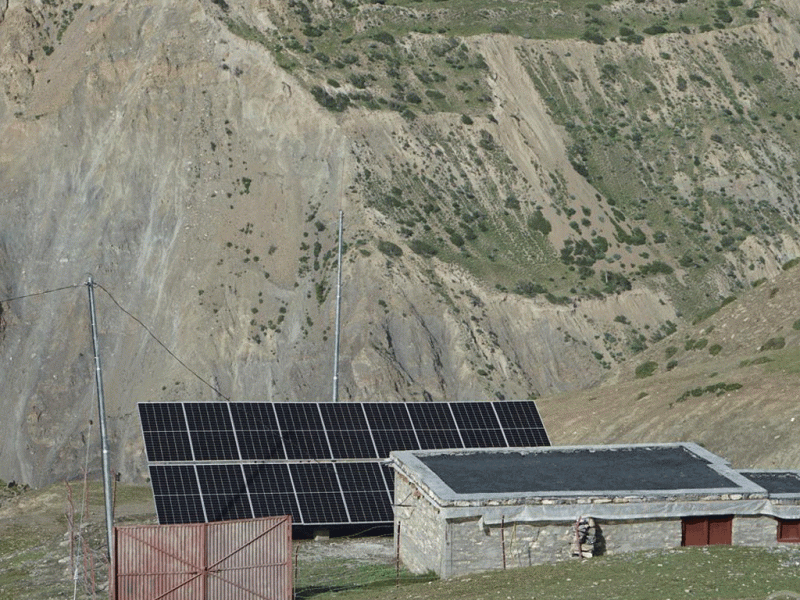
[254, 416]
[343, 416]
[348, 433]
[478, 424]
[387, 415]
[474, 415]
[271, 490]
[214, 445]
[257, 431]
[173, 479]
[208, 416]
[314, 493]
[483, 438]
[261, 445]
[162, 416]
[299, 416]
[176, 495]
[361, 477]
[401, 439]
[369, 507]
[527, 437]
[366, 492]
[320, 499]
[431, 416]
[163, 446]
[518, 414]
[432, 439]
[275, 505]
[302, 431]
[314, 477]
[172, 510]
[224, 492]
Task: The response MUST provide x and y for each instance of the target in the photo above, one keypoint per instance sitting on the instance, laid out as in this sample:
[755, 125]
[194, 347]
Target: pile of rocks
[585, 537]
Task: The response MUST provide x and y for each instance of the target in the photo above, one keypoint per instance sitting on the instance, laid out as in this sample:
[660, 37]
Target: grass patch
[729, 572]
[786, 361]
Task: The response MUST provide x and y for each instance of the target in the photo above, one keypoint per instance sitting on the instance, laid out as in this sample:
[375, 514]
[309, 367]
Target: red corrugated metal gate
[235, 560]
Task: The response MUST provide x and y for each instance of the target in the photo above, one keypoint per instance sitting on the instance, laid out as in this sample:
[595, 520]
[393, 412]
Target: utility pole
[338, 315]
[101, 405]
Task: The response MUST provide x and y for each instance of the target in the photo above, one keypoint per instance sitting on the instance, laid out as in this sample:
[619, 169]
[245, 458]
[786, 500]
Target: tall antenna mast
[101, 404]
[338, 315]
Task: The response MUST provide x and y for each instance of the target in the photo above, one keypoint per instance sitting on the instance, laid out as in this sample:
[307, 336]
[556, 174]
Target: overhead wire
[139, 321]
[42, 293]
[160, 343]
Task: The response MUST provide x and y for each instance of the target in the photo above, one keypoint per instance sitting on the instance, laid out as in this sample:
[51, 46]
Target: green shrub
[775, 343]
[529, 288]
[796, 325]
[337, 103]
[646, 369]
[538, 222]
[655, 30]
[792, 263]
[715, 349]
[457, 239]
[384, 37]
[423, 248]
[593, 36]
[761, 360]
[390, 249]
[656, 267]
[670, 351]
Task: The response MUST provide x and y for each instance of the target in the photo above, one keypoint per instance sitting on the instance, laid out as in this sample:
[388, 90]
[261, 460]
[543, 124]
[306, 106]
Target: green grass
[718, 572]
[784, 361]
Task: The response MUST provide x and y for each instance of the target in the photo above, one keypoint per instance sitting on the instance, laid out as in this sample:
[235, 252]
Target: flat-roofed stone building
[461, 511]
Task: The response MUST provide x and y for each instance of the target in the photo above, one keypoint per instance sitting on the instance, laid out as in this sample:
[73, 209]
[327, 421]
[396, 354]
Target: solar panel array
[319, 462]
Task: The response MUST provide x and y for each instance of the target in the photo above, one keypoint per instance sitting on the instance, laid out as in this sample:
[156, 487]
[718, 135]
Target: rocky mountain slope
[532, 195]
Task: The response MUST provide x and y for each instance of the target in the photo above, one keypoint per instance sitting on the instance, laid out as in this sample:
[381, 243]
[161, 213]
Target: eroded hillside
[532, 196]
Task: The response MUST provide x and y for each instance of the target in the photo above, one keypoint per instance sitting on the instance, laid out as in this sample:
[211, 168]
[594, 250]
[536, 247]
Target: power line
[42, 293]
[145, 327]
[170, 352]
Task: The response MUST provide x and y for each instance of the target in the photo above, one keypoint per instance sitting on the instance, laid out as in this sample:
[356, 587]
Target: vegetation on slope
[675, 120]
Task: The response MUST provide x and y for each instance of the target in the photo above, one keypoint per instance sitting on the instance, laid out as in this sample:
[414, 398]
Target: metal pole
[101, 405]
[338, 315]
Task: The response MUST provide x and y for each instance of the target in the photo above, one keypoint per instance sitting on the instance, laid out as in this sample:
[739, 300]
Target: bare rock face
[200, 184]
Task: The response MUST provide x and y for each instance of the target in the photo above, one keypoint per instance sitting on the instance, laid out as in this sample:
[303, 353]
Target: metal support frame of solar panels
[323, 463]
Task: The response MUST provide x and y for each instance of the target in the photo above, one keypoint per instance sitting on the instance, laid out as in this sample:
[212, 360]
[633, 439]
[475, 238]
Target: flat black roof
[775, 482]
[602, 469]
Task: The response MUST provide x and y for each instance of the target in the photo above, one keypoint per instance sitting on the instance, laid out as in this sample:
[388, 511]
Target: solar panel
[271, 490]
[176, 494]
[322, 463]
[348, 433]
[257, 431]
[302, 431]
[320, 500]
[224, 492]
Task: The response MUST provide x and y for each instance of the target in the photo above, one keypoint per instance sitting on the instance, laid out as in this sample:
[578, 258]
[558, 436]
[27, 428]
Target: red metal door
[695, 531]
[720, 531]
[788, 531]
[236, 560]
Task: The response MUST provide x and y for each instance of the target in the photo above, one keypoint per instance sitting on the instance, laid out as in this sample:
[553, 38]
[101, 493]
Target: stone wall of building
[476, 548]
[422, 530]
[631, 536]
[755, 531]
